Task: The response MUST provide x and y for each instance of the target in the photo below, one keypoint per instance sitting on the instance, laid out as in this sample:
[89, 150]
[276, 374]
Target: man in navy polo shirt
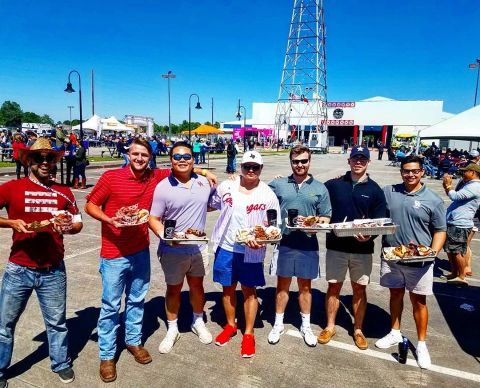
[353, 196]
[298, 254]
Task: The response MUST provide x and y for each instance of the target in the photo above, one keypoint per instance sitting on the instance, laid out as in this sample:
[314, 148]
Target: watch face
[338, 113]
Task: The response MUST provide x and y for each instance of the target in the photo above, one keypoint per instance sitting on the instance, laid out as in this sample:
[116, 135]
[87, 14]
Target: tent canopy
[204, 129]
[112, 124]
[465, 125]
[93, 123]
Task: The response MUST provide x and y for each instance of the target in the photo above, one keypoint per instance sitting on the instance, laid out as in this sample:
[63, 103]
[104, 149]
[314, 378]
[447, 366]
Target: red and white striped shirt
[117, 188]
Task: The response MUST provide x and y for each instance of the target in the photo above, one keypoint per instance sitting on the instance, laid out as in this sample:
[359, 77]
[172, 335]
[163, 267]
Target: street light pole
[168, 76]
[69, 89]
[70, 107]
[239, 116]
[212, 112]
[476, 86]
[198, 106]
[280, 123]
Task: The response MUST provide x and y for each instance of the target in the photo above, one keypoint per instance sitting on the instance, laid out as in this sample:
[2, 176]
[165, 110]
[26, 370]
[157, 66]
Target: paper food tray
[370, 231]
[185, 241]
[128, 225]
[326, 228]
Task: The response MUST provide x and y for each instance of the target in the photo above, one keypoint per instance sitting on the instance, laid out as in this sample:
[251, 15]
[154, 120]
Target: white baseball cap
[252, 157]
[474, 153]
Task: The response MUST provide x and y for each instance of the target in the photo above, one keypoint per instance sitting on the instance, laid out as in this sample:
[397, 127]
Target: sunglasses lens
[179, 157]
[253, 167]
[187, 156]
[39, 159]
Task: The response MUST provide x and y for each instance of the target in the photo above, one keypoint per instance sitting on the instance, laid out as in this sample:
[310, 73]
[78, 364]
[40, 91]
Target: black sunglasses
[178, 157]
[253, 167]
[298, 161]
[39, 159]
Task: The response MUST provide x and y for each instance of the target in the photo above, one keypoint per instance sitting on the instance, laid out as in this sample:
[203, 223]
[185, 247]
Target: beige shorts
[176, 266]
[416, 280]
[359, 266]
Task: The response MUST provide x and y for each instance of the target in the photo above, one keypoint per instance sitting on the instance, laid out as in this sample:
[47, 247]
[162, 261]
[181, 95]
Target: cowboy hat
[41, 145]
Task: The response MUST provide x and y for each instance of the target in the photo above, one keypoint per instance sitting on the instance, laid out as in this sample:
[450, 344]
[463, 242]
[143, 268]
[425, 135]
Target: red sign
[338, 122]
[341, 104]
[473, 65]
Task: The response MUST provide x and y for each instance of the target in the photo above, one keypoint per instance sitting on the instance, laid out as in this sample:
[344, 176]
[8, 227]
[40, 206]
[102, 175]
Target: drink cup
[169, 228]
[292, 216]
[403, 351]
[272, 217]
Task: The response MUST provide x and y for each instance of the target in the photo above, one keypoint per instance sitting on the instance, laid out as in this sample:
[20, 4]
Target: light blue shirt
[465, 204]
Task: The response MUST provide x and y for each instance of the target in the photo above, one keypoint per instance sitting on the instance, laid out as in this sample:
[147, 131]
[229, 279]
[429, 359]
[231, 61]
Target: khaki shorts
[358, 264]
[176, 266]
[418, 280]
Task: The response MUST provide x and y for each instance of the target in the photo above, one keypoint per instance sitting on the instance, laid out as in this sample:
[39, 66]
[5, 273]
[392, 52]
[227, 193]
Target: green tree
[46, 119]
[30, 117]
[11, 114]
[217, 124]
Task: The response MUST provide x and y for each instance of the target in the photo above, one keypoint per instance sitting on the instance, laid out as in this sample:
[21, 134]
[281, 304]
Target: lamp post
[70, 107]
[69, 89]
[473, 66]
[280, 123]
[239, 116]
[198, 106]
[168, 76]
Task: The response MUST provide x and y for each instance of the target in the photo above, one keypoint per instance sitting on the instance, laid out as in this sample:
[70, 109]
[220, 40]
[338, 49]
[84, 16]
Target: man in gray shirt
[460, 213]
[420, 216]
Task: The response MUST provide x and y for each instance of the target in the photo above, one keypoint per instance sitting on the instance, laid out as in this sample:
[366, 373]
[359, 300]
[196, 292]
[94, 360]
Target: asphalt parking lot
[453, 334]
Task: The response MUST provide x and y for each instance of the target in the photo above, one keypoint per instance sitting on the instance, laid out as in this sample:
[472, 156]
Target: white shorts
[418, 280]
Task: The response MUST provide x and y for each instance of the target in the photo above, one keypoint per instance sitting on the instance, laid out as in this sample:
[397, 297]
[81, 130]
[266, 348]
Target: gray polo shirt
[173, 200]
[311, 199]
[418, 215]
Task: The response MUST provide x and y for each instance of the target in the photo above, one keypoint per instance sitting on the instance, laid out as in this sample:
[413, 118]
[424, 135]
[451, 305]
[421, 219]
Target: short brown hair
[142, 142]
[300, 149]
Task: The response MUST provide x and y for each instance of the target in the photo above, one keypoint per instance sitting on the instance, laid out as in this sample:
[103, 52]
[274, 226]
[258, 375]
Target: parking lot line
[389, 357]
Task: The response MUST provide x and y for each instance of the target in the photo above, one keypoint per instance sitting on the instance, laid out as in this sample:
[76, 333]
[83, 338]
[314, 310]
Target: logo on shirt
[256, 207]
[200, 183]
[227, 199]
[40, 202]
[417, 205]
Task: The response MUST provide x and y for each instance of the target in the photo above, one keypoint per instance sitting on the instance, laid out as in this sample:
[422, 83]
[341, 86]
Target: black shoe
[66, 375]
[3, 383]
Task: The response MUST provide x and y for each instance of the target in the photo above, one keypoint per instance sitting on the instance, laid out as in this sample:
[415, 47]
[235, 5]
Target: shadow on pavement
[463, 324]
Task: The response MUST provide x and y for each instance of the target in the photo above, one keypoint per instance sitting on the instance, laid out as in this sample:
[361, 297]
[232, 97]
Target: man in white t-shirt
[243, 203]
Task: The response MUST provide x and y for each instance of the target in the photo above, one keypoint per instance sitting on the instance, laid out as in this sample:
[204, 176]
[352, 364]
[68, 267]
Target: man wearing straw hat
[353, 196]
[36, 258]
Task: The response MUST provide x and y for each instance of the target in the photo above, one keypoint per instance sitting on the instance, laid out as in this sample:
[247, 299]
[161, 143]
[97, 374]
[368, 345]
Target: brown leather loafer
[140, 354]
[326, 335]
[108, 371]
[360, 341]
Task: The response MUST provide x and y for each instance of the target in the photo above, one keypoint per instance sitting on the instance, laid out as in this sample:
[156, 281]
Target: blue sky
[228, 49]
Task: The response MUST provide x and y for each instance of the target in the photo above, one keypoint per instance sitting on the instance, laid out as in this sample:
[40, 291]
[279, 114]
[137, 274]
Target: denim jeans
[132, 275]
[51, 288]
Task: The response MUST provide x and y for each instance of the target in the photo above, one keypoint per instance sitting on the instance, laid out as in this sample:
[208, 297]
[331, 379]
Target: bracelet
[204, 172]
[448, 187]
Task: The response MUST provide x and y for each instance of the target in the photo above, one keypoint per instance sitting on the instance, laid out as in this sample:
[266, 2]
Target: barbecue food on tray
[194, 234]
[37, 225]
[411, 250]
[258, 233]
[131, 215]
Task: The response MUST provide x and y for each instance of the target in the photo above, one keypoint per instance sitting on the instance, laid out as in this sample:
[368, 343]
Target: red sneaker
[248, 346]
[227, 333]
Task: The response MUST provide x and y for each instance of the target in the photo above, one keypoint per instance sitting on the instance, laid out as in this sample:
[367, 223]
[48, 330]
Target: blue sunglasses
[178, 157]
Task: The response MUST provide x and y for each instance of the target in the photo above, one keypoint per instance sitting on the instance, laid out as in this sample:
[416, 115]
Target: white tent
[112, 124]
[93, 123]
[465, 126]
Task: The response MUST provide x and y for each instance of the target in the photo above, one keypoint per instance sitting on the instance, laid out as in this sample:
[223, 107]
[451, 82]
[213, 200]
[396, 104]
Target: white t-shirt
[238, 221]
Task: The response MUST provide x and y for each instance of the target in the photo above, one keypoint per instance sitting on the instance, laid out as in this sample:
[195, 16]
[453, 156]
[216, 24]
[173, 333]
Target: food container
[366, 227]
[389, 256]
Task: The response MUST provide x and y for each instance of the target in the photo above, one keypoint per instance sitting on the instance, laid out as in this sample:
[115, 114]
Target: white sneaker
[423, 357]
[275, 333]
[389, 340]
[167, 344]
[204, 335]
[308, 336]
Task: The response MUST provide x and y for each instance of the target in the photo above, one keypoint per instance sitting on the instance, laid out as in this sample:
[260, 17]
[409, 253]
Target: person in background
[196, 150]
[17, 145]
[380, 147]
[154, 144]
[70, 159]
[203, 151]
[79, 169]
[231, 157]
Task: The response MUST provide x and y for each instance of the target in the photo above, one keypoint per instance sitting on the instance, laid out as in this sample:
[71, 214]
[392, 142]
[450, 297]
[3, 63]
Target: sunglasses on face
[296, 162]
[253, 167]
[178, 157]
[39, 159]
[415, 171]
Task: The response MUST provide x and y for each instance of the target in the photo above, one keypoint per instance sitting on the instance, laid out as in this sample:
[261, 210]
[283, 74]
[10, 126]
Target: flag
[294, 97]
[473, 65]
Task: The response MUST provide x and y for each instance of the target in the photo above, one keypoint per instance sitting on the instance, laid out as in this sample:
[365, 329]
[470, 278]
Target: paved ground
[453, 340]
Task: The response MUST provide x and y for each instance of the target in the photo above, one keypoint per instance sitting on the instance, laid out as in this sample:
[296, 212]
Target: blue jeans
[126, 161]
[51, 288]
[132, 275]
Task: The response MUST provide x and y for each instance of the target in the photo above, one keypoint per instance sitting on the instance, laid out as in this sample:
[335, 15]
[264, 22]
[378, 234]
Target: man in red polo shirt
[124, 256]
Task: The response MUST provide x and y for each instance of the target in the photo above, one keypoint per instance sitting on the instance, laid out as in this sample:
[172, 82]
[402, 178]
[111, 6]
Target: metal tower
[302, 99]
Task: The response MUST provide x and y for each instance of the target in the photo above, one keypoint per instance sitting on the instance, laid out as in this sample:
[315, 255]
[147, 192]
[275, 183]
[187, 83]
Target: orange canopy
[204, 129]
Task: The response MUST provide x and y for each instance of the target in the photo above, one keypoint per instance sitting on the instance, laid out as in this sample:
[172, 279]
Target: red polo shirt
[117, 188]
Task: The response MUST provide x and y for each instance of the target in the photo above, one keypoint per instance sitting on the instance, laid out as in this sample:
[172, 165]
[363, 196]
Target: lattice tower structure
[302, 99]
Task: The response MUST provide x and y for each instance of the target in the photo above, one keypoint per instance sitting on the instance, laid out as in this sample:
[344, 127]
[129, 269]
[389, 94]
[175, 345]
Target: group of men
[185, 194]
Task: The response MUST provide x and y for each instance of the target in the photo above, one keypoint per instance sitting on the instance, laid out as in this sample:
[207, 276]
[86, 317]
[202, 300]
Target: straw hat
[41, 145]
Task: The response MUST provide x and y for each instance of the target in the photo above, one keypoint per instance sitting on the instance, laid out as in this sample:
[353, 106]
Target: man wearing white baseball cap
[475, 156]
